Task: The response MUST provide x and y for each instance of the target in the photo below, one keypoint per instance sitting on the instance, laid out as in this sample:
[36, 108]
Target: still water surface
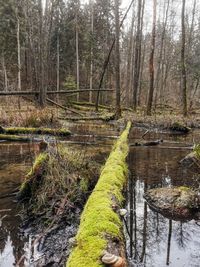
[156, 241]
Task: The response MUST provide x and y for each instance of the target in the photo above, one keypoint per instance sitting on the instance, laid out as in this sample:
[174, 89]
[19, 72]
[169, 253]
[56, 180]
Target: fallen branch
[5, 210]
[65, 108]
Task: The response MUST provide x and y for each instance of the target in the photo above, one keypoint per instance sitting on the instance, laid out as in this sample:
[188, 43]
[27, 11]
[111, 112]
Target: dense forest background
[63, 45]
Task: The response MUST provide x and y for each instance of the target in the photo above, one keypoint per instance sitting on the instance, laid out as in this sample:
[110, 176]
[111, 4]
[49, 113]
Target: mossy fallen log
[101, 227]
[24, 130]
[15, 138]
[107, 117]
[148, 143]
[33, 178]
[88, 104]
[177, 203]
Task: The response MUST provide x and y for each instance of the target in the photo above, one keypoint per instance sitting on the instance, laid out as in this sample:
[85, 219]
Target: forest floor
[29, 115]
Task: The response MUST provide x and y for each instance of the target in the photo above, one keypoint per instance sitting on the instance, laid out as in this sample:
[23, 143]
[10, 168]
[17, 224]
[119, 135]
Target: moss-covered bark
[99, 222]
[104, 117]
[24, 130]
[15, 138]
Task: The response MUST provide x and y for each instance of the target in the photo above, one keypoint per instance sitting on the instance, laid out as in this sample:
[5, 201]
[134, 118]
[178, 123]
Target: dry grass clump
[29, 118]
[65, 185]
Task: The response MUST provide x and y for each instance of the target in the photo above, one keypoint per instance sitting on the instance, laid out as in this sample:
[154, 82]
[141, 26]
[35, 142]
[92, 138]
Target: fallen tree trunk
[92, 118]
[88, 104]
[101, 227]
[15, 138]
[21, 93]
[148, 143]
[23, 130]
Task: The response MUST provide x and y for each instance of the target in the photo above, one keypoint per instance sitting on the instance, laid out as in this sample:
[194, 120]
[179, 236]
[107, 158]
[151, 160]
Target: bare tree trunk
[183, 69]
[19, 55]
[151, 61]
[77, 54]
[141, 58]
[165, 18]
[141, 74]
[129, 60]
[117, 61]
[137, 57]
[42, 96]
[4, 73]
[91, 50]
[58, 63]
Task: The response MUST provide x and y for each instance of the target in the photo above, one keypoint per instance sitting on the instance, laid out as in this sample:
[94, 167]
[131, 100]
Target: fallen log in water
[106, 118]
[24, 130]
[148, 143]
[15, 138]
[101, 229]
[89, 104]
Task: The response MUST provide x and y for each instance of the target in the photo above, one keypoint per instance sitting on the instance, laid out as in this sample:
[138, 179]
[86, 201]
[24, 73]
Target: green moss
[37, 168]
[196, 150]
[24, 130]
[14, 138]
[184, 188]
[99, 222]
[88, 104]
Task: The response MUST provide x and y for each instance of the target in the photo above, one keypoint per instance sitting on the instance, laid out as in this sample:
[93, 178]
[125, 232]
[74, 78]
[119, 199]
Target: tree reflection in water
[157, 241]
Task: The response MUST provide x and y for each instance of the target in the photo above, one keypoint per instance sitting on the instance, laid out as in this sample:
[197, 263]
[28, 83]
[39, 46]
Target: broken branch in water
[5, 210]
[149, 143]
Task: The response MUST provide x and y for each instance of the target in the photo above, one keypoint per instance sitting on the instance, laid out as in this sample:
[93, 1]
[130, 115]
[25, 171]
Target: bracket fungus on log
[113, 260]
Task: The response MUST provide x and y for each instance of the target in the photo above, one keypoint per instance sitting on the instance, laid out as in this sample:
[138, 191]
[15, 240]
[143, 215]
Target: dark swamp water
[156, 241]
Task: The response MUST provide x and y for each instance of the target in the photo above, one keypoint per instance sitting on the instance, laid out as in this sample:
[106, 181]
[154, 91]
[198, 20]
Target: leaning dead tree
[107, 60]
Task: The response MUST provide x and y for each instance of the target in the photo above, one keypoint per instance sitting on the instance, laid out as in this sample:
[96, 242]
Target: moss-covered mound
[34, 177]
[99, 222]
[177, 203]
